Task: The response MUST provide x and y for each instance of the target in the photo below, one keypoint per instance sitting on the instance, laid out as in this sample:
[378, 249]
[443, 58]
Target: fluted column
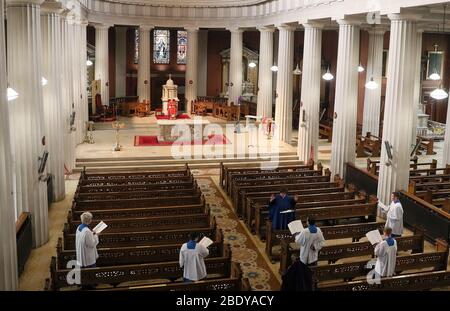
[67, 49]
[372, 97]
[144, 63]
[84, 109]
[264, 101]
[102, 61]
[308, 131]
[191, 67]
[346, 98]
[235, 78]
[399, 106]
[8, 253]
[446, 156]
[26, 114]
[202, 73]
[283, 102]
[75, 30]
[417, 84]
[52, 94]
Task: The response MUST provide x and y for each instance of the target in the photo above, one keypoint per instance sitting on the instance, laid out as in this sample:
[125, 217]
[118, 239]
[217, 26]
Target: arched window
[136, 46]
[161, 46]
[181, 47]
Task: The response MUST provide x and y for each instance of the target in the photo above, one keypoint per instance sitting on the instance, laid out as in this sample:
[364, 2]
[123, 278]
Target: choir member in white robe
[192, 259]
[86, 243]
[394, 217]
[311, 240]
[386, 253]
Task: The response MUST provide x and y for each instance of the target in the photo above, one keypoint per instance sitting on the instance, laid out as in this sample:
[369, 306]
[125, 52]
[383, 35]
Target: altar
[183, 129]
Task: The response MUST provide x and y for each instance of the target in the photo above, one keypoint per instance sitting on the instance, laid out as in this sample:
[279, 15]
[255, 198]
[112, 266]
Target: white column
[446, 155]
[346, 98]
[283, 101]
[8, 253]
[372, 97]
[27, 112]
[74, 26]
[235, 78]
[144, 63]
[84, 106]
[52, 94]
[264, 100]
[102, 60]
[121, 61]
[417, 84]
[398, 111]
[202, 66]
[67, 90]
[308, 131]
[191, 67]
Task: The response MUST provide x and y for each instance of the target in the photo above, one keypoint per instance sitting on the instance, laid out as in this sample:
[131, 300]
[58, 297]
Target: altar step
[151, 163]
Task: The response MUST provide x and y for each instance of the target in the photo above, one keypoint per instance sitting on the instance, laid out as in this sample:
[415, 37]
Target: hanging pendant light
[360, 68]
[435, 76]
[371, 85]
[11, 94]
[274, 68]
[44, 81]
[252, 64]
[328, 75]
[297, 71]
[439, 93]
[89, 63]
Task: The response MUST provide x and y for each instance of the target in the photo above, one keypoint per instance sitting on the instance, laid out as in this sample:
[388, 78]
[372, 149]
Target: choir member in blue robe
[279, 203]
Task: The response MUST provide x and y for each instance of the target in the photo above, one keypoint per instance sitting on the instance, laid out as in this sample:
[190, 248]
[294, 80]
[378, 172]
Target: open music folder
[100, 227]
[206, 241]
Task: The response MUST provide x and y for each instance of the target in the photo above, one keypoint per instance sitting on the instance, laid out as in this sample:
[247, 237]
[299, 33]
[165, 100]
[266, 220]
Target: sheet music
[295, 226]
[206, 241]
[100, 227]
[287, 211]
[383, 207]
[374, 236]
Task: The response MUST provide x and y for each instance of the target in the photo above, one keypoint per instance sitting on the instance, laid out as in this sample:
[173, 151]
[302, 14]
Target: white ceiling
[192, 3]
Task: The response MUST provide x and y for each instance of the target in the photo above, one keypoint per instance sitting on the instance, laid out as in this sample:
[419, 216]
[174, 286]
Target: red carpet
[153, 141]
[180, 116]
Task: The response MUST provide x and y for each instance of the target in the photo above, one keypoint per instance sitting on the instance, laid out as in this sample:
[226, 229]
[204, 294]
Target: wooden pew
[184, 171]
[426, 144]
[374, 166]
[437, 260]
[80, 197]
[137, 187]
[137, 203]
[113, 256]
[326, 131]
[332, 253]
[354, 231]
[415, 281]
[144, 238]
[151, 223]
[136, 181]
[236, 282]
[114, 275]
[331, 213]
[368, 143]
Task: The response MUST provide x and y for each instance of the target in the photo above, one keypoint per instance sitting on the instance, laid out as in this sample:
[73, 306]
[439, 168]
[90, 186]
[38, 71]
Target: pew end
[442, 246]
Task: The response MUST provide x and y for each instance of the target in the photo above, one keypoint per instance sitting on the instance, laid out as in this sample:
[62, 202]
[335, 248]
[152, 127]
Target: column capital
[84, 22]
[103, 26]
[235, 29]
[286, 27]
[312, 24]
[377, 30]
[405, 16]
[146, 27]
[23, 2]
[349, 21]
[49, 7]
[266, 28]
[191, 28]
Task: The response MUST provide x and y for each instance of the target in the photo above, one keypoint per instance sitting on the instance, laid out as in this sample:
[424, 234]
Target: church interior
[164, 118]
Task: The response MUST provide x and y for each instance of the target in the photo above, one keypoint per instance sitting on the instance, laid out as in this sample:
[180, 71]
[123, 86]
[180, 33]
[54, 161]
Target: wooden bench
[426, 145]
[368, 211]
[182, 171]
[136, 181]
[332, 253]
[144, 187]
[354, 231]
[368, 144]
[326, 131]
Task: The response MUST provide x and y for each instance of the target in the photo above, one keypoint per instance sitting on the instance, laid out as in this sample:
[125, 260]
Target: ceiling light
[11, 94]
[328, 76]
[297, 71]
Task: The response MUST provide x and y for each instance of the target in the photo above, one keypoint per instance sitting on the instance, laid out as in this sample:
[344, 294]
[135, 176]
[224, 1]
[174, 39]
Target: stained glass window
[136, 46]
[161, 46]
[182, 46]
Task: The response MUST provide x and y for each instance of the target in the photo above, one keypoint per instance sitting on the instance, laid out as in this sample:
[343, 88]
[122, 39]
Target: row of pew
[149, 216]
[343, 214]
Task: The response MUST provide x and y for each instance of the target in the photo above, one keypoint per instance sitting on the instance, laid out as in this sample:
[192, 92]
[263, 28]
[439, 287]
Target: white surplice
[192, 260]
[386, 258]
[86, 247]
[394, 218]
[306, 240]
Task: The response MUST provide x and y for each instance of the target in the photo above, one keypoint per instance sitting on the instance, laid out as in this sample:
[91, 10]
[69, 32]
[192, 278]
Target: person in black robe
[278, 204]
[298, 277]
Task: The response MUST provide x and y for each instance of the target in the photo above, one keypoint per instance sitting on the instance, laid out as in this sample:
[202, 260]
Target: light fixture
[328, 76]
[360, 68]
[11, 94]
[252, 64]
[274, 68]
[89, 62]
[434, 76]
[439, 93]
[44, 81]
[371, 85]
[297, 71]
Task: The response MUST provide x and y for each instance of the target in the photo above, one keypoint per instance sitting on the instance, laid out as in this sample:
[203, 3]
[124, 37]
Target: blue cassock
[279, 204]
